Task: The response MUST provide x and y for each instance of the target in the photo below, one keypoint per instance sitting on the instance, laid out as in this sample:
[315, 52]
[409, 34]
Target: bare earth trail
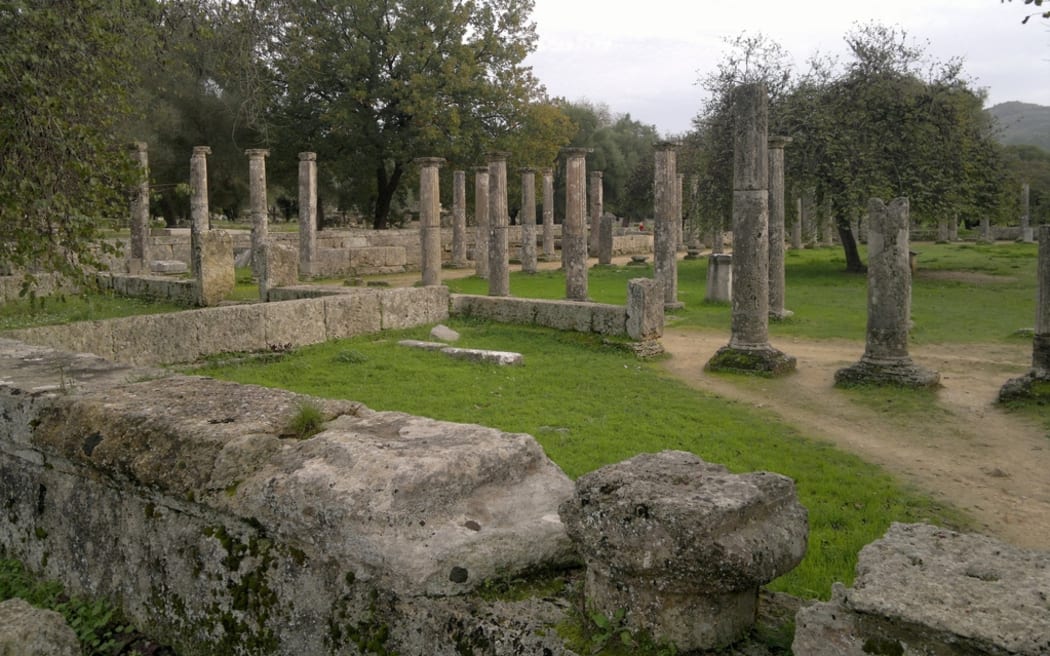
[966, 451]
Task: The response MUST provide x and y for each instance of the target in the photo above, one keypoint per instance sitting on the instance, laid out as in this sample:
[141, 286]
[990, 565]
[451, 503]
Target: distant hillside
[1023, 124]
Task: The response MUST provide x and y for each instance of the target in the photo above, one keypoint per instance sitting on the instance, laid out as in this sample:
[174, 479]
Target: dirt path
[966, 451]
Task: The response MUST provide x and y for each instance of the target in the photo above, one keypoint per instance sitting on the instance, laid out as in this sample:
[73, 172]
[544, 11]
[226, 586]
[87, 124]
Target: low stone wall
[162, 288]
[47, 285]
[192, 504]
[187, 336]
[562, 315]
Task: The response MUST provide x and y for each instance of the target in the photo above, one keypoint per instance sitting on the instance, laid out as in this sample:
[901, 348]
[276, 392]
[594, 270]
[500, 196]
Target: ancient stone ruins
[194, 506]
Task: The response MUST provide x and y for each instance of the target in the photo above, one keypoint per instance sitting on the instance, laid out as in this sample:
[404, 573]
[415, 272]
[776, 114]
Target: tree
[370, 85]
[66, 68]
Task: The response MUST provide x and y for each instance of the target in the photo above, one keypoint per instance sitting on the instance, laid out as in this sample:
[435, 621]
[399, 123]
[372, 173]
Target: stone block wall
[578, 316]
[191, 504]
[187, 336]
[162, 288]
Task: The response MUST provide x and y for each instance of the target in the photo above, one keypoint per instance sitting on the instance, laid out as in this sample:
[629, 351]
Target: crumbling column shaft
[596, 206]
[499, 221]
[548, 214]
[1041, 349]
[257, 203]
[307, 213]
[459, 218]
[574, 229]
[481, 221]
[665, 235]
[199, 190]
[889, 281]
[140, 206]
[776, 228]
[430, 218]
[528, 220]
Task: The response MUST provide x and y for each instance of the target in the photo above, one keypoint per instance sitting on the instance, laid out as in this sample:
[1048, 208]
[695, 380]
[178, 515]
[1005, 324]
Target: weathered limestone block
[927, 590]
[189, 502]
[279, 267]
[213, 265]
[240, 328]
[285, 324]
[413, 306]
[683, 545]
[358, 313]
[425, 346]
[565, 315]
[719, 278]
[645, 309]
[501, 310]
[29, 631]
[444, 333]
[378, 257]
[501, 358]
[168, 266]
[608, 319]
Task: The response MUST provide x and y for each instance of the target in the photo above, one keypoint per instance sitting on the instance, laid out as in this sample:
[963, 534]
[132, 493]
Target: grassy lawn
[590, 405]
[79, 307]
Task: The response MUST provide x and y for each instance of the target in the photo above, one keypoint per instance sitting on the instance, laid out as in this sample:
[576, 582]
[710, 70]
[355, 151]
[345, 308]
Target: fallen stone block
[29, 631]
[168, 266]
[502, 358]
[928, 590]
[426, 346]
[444, 333]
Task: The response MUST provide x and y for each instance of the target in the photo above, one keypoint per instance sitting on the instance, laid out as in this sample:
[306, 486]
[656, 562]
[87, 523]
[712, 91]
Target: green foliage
[307, 421]
[98, 626]
[65, 70]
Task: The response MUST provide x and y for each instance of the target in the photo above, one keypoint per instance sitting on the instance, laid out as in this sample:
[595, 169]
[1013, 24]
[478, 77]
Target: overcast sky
[643, 57]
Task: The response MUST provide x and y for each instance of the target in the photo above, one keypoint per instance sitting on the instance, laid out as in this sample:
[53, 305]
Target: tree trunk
[386, 185]
[849, 247]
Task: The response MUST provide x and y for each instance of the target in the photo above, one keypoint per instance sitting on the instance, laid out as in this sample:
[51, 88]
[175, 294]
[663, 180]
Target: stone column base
[901, 372]
[764, 361]
[687, 619]
[781, 315]
[1033, 386]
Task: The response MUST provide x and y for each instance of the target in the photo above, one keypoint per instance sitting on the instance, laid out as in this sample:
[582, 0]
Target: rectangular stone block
[230, 329]
[495, 308]
[362, 259]
[332, 262]
[297, 323]
[358, 313]
[280, 267]
[155, 339]
[413, 306]
[215, 274]
[565, 315]
[609, 320]
[645, 309]
[168, 266]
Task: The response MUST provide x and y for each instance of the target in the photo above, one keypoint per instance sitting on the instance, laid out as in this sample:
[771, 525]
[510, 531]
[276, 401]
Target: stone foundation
[901, 372]
[766, 361]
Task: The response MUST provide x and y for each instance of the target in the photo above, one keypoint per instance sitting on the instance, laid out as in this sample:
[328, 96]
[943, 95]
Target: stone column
[717, 236]
[1026, 225]
[574, 227]
[140, 210]
[605, 239]
[886, 359]
[1035, 385]
[430, 218]
[257, 203]
[749, 349]
[942, 230]
[308, 214]
[986, 230]
[199, 217]
[596, 208]
[459, 219]
[665, 232]
[481, 221]
[796, 227]
[776, 228]
[499, 221]
[828, 223]
[548, 214]
[953, 228]
[679, 211]
[719, 278]
[693, 245]
[528, 220]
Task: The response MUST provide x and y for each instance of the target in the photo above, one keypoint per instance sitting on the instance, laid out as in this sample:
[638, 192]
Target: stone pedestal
[886, 360]
[499, 221]
[140, 207]
[683, 545]
[719, 278]
[749, 349]
[548, 215]
[574, 228]
[596, 207]
[1036, 383]
[481, 221]
[528, 220]
[667, 220]
[430, 218]
[459, 219]
[776, 228]
[308, 214]
[257, 203]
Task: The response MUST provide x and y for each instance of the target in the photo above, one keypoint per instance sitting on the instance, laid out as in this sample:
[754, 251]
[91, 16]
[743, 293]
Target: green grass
[70, 308]
[590, 405]
[829, 303]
